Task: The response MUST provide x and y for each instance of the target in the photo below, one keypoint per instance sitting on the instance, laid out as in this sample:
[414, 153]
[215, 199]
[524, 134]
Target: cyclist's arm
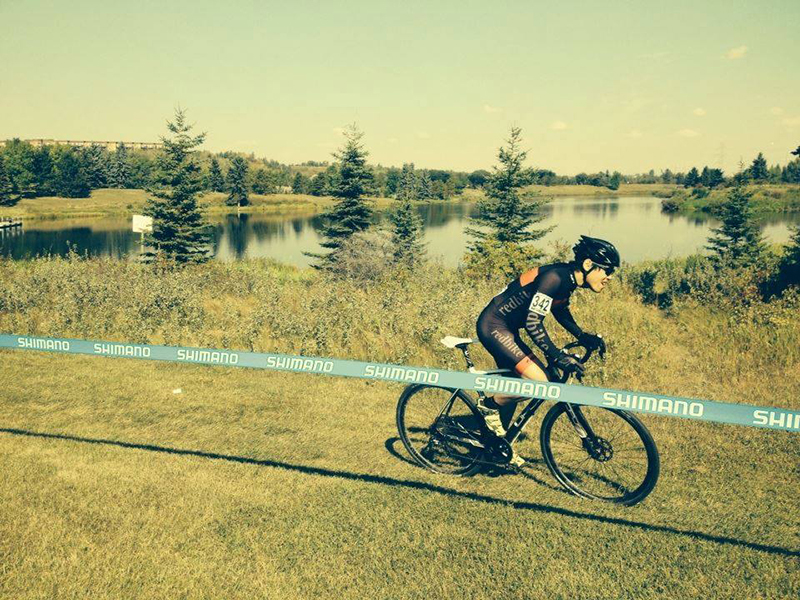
[564, 317]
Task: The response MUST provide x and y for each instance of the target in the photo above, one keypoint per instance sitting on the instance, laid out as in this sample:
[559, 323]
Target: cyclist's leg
[529, 367]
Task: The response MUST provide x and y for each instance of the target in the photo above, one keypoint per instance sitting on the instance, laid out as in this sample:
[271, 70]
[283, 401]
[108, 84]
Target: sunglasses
[608, 269]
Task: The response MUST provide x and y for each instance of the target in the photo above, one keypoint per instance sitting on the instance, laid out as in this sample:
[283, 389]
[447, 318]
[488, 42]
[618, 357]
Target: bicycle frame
[574, 412]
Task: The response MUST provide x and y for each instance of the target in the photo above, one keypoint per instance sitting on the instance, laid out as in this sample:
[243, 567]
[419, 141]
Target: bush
[365, 256]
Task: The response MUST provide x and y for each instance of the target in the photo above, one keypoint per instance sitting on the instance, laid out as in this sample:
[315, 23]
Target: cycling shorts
[505, 346]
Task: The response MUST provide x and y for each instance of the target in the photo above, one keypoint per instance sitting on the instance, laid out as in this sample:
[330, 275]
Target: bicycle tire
[433, 441]
[596, 478]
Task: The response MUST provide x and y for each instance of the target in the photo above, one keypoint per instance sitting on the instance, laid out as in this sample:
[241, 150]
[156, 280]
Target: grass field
[256, 484]
[114, 202]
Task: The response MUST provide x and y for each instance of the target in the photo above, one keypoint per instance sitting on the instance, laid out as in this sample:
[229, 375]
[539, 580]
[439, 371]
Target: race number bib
[541, 304]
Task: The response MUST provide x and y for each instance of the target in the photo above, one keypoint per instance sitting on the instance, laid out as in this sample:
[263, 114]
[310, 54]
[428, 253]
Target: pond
[635, 224]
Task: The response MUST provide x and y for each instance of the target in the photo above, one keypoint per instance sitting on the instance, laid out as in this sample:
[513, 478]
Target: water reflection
[636, 225]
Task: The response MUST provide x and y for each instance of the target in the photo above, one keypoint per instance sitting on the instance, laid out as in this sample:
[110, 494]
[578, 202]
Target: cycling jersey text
[208, 356]
[656, 405]
[122, 350]
[289, 363]
[776, 418]
[517, 387]
[400, 374]
[39, 344]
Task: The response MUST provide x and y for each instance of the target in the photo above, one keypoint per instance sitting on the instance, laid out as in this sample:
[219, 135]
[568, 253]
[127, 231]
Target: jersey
[524, 304]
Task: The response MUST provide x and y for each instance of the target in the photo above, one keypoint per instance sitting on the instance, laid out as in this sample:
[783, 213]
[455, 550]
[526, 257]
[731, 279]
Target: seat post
[470, 364]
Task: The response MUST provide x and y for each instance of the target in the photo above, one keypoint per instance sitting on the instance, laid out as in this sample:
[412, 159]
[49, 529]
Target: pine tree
[8, 193]
[71, 180]
[738, 241]
[237, 183]
[509, 216]
[179, 232]
[789, 267]
[299, 184]
[119, 173]
[44, 177]
[507, 213]
[407, 234]
[216, 182]
[407, 189]
[350, 213]
[692, 178]
[425, 187]
[758, 170]
[96, 162]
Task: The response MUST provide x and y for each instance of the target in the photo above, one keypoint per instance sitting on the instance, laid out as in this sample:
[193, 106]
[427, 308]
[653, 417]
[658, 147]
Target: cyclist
[524, 303]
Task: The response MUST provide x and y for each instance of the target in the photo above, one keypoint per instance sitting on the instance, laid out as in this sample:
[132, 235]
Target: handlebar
[581, 359]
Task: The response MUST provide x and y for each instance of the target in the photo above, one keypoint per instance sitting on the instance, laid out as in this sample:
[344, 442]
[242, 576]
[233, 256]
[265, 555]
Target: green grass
[115, 202]
[766, 199]
[258, 484]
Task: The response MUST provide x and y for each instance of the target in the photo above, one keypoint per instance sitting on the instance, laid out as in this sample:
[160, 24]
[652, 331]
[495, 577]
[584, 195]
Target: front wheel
[441, 429]
[604, 454]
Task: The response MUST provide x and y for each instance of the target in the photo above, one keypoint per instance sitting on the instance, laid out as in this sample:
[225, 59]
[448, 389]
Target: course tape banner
[689, 408]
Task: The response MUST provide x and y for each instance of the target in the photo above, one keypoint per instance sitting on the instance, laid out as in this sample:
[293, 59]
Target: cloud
[634, 133]
[793, 122]
[776, 110]
[392, 140]
[700, 112]
[689, 133]
[735, 53]
[635, 104]
[423, 135]
[487, 108]
[558, 126]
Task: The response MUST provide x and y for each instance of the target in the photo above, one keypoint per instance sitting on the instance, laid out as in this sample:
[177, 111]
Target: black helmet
[600, 252]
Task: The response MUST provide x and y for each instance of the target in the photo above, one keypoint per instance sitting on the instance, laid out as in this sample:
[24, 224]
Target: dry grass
[257, 484]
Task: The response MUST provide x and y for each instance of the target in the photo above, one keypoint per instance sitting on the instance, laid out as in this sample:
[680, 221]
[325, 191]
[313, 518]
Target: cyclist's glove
[591, 341]
[568, 364]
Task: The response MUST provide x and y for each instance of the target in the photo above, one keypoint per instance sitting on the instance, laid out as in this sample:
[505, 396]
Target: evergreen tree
[425, 187]
[791, 172]
[44, 183]
[789, 267]
[667, 176]
[615, 180]
[796, 152]
[119, 171]
[8, 192]
[179, 232]
[216, 182]
[264, 182]
[758, 170]
[407, 234]
[237, 183]
[738, 241]
[318, 185]
[508, 214]
[350, 213]
[392, 182]
[407, 190]
[95, 161]
[71, 180]
[692, 178]
[300, 184]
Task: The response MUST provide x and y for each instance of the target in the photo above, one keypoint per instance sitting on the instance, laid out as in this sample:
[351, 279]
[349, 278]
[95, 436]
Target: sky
[628, 86]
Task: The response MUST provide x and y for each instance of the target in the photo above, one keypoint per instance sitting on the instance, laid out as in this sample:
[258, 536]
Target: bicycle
[594, 452]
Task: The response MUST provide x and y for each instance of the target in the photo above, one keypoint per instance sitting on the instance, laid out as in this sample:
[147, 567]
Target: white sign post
[142, 225]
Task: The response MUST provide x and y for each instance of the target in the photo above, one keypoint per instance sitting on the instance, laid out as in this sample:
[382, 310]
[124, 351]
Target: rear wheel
[617, 462]
[441, 429]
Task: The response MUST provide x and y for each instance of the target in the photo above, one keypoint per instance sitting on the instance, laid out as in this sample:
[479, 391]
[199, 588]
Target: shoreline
[108, 202]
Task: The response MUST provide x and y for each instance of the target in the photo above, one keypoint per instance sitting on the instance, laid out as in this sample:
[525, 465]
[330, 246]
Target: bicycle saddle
[456, 342]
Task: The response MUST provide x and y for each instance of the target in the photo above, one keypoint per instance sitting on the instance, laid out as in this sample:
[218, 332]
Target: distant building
[88, 143]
